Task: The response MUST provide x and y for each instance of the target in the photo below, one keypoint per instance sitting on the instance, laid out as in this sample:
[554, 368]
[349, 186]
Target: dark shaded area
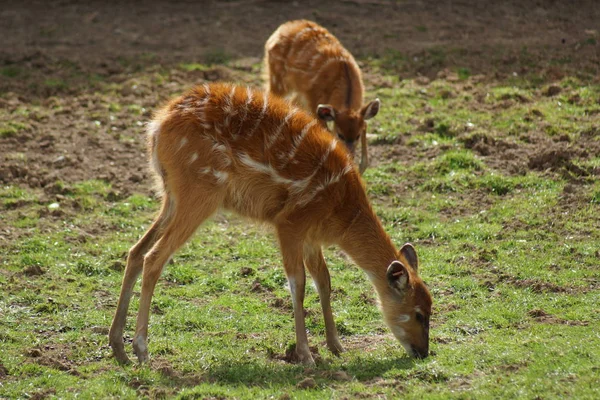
[416, 36]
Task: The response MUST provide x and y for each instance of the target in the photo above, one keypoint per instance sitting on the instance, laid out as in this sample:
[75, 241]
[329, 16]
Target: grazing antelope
[221, 145]
[303, 58]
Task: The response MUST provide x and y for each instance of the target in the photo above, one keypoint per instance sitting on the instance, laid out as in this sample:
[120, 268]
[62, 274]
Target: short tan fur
[306, 61]
[232, 147]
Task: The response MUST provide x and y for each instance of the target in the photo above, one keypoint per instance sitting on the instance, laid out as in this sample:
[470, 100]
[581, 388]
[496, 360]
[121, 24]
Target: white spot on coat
[221, 176]
[182, 142]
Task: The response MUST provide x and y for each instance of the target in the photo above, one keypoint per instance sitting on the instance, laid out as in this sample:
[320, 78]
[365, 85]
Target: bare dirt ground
[80, 80]
[97, 33]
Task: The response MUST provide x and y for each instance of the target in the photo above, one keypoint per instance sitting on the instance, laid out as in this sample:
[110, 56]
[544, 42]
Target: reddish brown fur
[213, 147]
[303, 58]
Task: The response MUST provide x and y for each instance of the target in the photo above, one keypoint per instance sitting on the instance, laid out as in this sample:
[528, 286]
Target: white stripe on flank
[330, 180]
[249, 95]
[200, 107]
[347, 168]
[314, 58]
[302, 50]
[324, 65]
[206, 91]
[263, 111]
[334, 143]
[263, 168]
[299, 34]
[193, 158]
[297, 140]
[276, 57]
[279, 129]
[299, 70]
[228, 108]
[301, 185]
[185, 105]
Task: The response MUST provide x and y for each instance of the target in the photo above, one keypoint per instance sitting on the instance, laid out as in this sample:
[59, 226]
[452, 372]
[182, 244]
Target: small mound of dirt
[479, 142]
[543, 317]
[33, 270]
[307, 383]
[3, 371]
[34, 353]
[552, 159]
[537, 286]
[556, 159]
[551, 90]
[43, 394]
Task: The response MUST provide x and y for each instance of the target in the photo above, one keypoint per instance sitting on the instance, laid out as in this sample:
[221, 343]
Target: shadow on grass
[256, 374]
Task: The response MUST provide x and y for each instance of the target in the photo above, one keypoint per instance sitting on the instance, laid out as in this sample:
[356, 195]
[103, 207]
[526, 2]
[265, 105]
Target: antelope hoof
[121, 357]
[140, 348]
[118, 350]
[305, 357]
[335, 347]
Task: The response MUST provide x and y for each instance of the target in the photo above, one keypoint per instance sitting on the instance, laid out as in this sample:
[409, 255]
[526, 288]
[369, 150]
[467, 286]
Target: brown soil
[54, 356]
[291, 356]
[83, 79]
[98, 33]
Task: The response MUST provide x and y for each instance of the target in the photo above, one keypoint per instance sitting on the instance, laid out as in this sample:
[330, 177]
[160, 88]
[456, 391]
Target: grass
[510, 256]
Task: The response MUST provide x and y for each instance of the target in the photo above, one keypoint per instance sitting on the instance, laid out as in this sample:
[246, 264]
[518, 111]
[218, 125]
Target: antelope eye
[420, 318]
[340, 136]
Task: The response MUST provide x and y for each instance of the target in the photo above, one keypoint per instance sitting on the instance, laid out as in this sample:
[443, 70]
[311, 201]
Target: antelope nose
[419, 353]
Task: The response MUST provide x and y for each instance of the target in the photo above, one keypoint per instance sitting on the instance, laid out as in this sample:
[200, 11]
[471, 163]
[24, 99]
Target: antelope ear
[410, 254]
[326, 112]
[371, 109]
[397, 276]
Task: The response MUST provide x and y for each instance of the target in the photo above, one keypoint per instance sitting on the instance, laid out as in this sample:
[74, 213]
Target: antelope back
[269, 159]
[304, 58]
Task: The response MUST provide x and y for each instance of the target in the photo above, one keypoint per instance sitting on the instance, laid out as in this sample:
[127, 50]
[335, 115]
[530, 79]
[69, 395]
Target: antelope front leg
[315, 262]
[294, 269]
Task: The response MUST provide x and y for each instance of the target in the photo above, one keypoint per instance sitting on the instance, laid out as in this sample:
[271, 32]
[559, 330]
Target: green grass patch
[510, 256]
[11, 129]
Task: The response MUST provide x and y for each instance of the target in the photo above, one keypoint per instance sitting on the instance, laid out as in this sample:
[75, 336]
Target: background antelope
[226, 146]
[303, 58]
